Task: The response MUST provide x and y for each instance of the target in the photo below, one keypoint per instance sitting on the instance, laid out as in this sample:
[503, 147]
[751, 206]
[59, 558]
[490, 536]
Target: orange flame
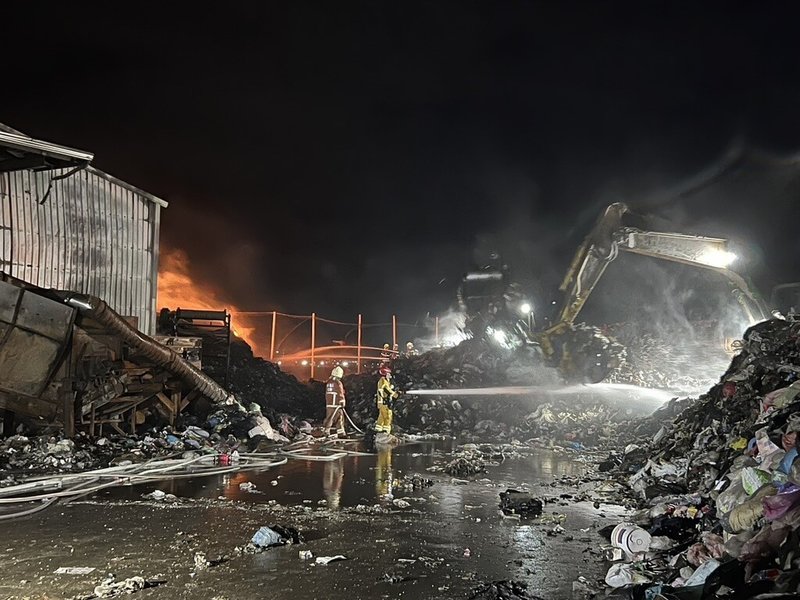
[177, 289]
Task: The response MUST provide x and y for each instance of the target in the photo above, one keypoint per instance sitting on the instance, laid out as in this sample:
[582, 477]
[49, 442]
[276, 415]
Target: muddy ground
[416, 552]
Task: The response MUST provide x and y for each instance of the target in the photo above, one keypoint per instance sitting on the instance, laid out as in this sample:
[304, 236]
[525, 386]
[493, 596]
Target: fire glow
[177, 289]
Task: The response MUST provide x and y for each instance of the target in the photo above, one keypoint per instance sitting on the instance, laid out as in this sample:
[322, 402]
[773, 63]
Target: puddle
[354, 479]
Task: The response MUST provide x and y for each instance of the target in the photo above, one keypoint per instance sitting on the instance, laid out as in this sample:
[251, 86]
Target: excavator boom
[609, 236]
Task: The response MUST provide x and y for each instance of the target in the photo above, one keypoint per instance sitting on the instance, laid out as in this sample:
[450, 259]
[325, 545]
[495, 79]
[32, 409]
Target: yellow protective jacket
[386, 390]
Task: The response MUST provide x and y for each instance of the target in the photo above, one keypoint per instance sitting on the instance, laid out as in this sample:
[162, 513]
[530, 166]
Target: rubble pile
[570, 419]
[253, 379]
[653, 359]
[47, 454]
[720, 486]
[223, 432]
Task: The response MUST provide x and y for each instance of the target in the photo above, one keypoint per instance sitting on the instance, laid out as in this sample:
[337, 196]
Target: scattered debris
[111, 588]
[275, 535]
[73, 570]
[514, 502]
[160, 496]
[503, 590]
[324, 560]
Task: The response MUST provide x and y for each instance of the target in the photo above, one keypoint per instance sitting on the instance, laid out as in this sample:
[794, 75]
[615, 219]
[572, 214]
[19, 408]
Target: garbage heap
[255, 380]
[678, 358]
[576, 419]
[720, 485]
[224, 430]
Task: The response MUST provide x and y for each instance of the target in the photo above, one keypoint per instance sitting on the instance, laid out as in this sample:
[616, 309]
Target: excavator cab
[489, 298]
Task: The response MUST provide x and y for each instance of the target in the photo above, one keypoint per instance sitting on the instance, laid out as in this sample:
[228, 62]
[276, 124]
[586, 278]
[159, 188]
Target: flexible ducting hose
[96, 309]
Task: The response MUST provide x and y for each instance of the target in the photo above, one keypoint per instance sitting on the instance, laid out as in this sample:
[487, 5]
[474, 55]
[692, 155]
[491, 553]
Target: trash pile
[653, 359]
[224, 432]
[576, 419]
[720, 485]
[255, 380]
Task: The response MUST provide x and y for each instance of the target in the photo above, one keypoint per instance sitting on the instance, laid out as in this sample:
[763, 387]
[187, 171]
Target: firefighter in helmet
[334, 403]
[385, 398]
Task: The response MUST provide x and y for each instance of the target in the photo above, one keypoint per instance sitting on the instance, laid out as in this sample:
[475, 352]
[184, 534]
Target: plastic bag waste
[276, 536]
[776, 506]
[753, 479]
[701, 574]
[622, 574]
[732, 497]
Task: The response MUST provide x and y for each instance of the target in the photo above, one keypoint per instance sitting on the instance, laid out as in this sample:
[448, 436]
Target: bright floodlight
[500, 336]
[717, 258]
[345, 364]
[525, 309]
[304, 363]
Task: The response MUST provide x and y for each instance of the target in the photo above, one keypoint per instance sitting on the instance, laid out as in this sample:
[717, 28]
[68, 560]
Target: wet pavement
[416, 552]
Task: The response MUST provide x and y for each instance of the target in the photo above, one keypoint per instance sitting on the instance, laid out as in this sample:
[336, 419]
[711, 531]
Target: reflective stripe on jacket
[334, 392]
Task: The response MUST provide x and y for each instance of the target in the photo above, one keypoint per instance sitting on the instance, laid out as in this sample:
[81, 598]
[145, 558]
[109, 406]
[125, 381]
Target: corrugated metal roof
[128, 186]
[20, 152]
[16, 140]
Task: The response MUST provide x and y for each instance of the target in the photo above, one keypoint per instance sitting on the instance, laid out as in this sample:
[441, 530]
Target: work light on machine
[716, 258]
[499, 335]
[525, 308]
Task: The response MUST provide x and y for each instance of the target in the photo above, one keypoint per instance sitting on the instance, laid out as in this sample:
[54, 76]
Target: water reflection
[332, 479]
[356, 480]
[384, 477]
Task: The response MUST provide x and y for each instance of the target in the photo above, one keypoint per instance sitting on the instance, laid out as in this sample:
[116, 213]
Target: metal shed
[69, 226]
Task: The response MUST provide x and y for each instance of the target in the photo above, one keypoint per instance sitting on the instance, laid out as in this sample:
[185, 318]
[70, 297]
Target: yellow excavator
[582, 353]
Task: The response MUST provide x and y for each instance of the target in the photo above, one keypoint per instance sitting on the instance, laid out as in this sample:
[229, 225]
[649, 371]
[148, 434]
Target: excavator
[492, 302]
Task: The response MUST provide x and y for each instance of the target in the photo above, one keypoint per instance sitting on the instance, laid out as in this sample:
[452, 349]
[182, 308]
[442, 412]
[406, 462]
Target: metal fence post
[394, 331]
[358, 354]
[436, 329]
[313, 340]
[272, 336]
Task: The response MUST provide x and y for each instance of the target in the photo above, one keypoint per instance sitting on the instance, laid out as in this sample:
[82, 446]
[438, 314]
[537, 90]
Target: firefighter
[334, 403]
[386, 353]
[410, 350]
[385, 398]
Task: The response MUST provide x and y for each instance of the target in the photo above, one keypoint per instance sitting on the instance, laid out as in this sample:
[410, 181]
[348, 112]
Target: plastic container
[630, 538]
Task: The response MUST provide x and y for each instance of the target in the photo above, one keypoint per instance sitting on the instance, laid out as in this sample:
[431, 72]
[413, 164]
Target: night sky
[345, 157]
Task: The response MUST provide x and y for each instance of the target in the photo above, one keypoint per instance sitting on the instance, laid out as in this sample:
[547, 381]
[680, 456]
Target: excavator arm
[566, 345]
[609, 237]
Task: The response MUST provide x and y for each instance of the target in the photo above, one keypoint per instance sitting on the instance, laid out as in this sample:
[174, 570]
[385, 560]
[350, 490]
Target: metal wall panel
[93, 234]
